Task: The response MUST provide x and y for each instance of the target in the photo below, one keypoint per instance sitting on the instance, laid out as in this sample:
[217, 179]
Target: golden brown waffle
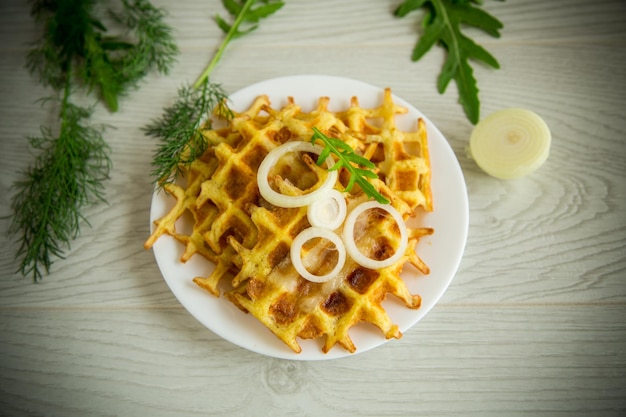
[249, 239]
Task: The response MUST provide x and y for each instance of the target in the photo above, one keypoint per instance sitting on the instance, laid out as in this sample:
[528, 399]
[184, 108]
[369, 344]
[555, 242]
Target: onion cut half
[510, 143]
[353, 250]
[290, 201]
[312, 233]
[329, 211]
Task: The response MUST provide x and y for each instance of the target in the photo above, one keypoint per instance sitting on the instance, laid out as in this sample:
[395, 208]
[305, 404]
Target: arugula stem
[455, 48]
[225, 42]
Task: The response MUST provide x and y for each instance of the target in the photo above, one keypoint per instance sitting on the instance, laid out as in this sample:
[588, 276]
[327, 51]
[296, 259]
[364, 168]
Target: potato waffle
[249, 240]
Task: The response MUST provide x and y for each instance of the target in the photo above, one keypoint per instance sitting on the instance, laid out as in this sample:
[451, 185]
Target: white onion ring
[355, 253]
[305, 236]
[329, 211]
[289, 201]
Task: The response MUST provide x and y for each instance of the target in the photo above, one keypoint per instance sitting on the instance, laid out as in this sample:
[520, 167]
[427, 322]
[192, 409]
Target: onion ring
[329, 211]
[282, 200]
[355, 253]
[305, 236]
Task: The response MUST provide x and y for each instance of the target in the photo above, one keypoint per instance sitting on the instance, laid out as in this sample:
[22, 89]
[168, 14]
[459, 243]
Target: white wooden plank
[328, 22]
[533, 324]
[477, 361]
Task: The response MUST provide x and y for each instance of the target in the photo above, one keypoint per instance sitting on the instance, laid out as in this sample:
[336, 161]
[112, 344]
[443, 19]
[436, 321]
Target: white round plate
[441, 251]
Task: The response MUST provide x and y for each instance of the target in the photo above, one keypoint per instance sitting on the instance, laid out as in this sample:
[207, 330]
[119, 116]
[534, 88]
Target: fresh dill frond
[110, 65]
[77, 52]
[67, 175]
[178, 129]
[120, 62]
[155, 47]
[150, 46]
[359, 167]
[65, 25]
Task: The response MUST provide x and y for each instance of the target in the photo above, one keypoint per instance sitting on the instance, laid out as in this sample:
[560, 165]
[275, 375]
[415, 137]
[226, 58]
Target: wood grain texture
[483, 362]
[534, 322]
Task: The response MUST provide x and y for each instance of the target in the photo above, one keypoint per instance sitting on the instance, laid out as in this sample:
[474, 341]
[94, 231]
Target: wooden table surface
[534, 323]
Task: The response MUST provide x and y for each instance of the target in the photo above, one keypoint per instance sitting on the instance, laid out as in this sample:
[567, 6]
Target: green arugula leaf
[227, 28]
[254, 14]
[247, 12]
[442, 24]
[358, 166]
[232, 6]
[264, 11]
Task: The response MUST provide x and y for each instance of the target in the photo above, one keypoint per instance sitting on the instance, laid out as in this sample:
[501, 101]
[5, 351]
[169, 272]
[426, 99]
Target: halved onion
[312, 233]
[328, 211]
[510, 143]
[353, 250]
[283, 200]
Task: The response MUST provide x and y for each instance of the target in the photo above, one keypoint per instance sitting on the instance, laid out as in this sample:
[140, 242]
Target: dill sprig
[74, 35]
[67, 175]
[155, 46]
[177, 130]
[359, 167]
[180, 139]
[76, 51]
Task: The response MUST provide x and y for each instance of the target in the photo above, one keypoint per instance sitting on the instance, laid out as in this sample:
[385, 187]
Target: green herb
[74, 35]
[442, 23]
[181, 141]
[178, 128]
[76, 52]
[245, 14]
[67, 176]
[351, 162]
